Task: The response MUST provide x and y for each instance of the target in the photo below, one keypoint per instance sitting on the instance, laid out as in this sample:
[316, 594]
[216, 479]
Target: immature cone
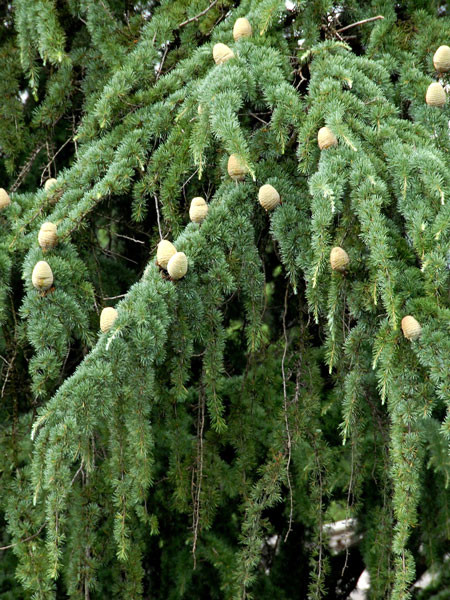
[178, 265]
[5, 200]
[107, 318]
[236, 169]
[339, 259]
[242, 28]
[164, 253]
[435, 95]
[268, 196]
[198, 210]
[326, 138]
[49, 183]
[222, 53]
[411, 328]
[42, 276]
[441, 59]
[47, 237]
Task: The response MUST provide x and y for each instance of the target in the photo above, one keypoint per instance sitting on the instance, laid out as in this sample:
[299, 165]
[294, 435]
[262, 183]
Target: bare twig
[26, 167]
[377, 18]
[10, 364]
[197, 473]
[258, 118]
[157, 216]
[161, 64]
[188, 179]
[25, 540]
[349, 498]
[114, 297]
[128, 238]
[286, 419]
[111, 253]
[80, 468]
[197, 17]
[54, 156]
[74, 136]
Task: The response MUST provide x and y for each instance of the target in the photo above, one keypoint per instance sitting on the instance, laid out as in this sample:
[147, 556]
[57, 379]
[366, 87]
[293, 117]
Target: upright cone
[236, 169]
[411, 328]
[242, 28]
[178, 265]
[268, 197]
[42, 276]
[198, 210]
[164, 253]
[47, 237]
[107, 318]
[50, 183]
[222, 53]
[441, 59]
[435, 95]
[339, 259]
[5, 200]
[326, 138]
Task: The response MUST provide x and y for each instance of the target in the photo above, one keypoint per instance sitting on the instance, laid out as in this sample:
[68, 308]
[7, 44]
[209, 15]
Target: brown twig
[157, 217]
[129, 238]
[54, 156]
[377, 18]
[80, 469]
[286, 418]
[25, 540]
[197, 472]
[188, 179]
[112, 253]
[197, 17]
[161, 64]
[10, 364]
[258, 118]
[114, 297]
[24, 170]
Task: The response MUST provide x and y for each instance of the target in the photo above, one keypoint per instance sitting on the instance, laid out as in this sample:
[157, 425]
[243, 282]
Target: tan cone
[236, 168]
[222, 53]
[198, 210]
[242, 28]
[47, 238]
[268, 197]
[5, 200]
[411, 328]
[339, 259]
[164, 253]
[178, 265]
[435, 95]
[50, 183]
[42, 276]
[107, 318]
[441, 59]
[326, 138]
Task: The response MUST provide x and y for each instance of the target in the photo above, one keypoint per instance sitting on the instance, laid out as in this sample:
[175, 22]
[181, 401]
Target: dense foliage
[198, 447]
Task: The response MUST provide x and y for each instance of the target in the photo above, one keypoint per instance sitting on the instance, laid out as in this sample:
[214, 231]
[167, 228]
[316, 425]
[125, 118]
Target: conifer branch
[123, 398]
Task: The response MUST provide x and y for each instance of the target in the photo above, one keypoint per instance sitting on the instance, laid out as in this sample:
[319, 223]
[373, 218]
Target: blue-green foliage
[264, 394]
